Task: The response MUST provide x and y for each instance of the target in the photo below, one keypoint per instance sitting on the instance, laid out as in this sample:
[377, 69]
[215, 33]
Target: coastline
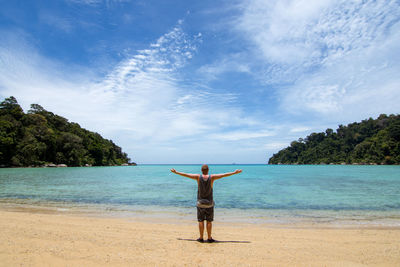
[275, 218]
[191, 164]
[272, 218]
[54, 238]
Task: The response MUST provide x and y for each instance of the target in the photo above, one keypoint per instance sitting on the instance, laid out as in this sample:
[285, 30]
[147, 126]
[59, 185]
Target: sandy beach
[56, 239]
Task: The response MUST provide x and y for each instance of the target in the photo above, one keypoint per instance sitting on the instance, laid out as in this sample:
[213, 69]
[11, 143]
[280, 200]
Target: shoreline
[59, 239]
[272, 218]
[195, 164]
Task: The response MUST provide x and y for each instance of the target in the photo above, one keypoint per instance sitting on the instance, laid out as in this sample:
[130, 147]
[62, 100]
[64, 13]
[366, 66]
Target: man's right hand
[173, 170]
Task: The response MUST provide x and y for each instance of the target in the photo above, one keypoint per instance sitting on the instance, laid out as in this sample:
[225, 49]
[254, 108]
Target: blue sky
[203, 81]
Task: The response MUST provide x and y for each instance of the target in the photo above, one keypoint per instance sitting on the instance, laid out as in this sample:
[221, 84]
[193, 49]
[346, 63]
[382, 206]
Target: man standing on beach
[205, 202]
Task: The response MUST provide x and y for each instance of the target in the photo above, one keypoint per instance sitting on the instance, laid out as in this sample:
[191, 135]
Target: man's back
[205, 190]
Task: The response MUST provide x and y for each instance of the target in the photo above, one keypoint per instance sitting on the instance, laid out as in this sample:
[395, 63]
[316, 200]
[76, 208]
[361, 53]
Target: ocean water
[260, 192]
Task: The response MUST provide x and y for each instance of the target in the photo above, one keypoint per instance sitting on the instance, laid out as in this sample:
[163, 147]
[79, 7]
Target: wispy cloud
[300, 129]
[275, 146]
[240, 135]
[229, 63]
[334, 58]
[86, 2]
[142, 101]
[312, 33]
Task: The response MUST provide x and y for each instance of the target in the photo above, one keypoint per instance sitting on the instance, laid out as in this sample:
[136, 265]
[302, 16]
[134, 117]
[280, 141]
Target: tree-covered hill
[40, 137]
[367, 142]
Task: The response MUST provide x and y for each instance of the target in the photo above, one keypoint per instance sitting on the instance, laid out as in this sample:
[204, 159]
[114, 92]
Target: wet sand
[31, 238]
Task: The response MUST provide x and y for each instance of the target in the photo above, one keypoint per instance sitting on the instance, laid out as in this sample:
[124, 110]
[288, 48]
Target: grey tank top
[205, 191]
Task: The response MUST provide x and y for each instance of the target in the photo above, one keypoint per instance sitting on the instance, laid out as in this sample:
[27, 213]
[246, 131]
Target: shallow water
[261, 192]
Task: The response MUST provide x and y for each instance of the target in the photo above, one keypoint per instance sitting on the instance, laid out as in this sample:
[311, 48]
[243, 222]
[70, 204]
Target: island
[371, 141]
[40, 138]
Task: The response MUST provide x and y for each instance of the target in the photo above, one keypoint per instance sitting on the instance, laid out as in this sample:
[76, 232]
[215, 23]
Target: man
[205, 202]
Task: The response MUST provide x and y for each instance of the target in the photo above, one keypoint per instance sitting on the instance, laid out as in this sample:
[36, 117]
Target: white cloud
[85, 2]
[363, 84]
[337, 60]
[276, 146]
[230, 63]
[141, 103]
[311, 32]
[281, 29]
[300, 129]
[240, 135]
[321, 98]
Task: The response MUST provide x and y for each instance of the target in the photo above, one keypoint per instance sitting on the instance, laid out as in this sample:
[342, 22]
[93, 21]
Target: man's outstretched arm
[188, 175]
[222, 175]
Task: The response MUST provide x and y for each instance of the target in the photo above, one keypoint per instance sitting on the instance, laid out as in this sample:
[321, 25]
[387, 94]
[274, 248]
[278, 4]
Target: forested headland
[40, 137]
[367, 142]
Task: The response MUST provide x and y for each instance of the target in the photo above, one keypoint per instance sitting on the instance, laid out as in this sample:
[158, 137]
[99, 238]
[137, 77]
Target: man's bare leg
[209, 228]
[201, 229]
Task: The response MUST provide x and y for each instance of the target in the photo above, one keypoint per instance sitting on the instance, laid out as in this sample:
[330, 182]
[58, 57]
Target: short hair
[204, 169]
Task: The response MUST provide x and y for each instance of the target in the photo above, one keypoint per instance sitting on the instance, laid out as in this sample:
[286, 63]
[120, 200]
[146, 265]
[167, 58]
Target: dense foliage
[41, 137]
[368, 142]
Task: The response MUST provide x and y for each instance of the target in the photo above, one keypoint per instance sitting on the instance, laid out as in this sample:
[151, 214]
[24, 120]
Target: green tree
[369, 141]
[41, 136]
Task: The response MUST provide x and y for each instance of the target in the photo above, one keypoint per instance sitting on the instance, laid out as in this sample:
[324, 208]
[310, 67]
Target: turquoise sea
[261, 193]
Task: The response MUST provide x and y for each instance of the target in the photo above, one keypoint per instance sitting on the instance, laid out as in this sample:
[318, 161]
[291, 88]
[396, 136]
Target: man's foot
[201, 240]
[210, 240]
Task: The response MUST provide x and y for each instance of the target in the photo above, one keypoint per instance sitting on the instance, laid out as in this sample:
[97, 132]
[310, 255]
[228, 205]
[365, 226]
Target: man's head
[204, 169]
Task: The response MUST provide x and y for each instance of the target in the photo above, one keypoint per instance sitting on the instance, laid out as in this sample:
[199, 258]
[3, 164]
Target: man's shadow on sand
[216, 241]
